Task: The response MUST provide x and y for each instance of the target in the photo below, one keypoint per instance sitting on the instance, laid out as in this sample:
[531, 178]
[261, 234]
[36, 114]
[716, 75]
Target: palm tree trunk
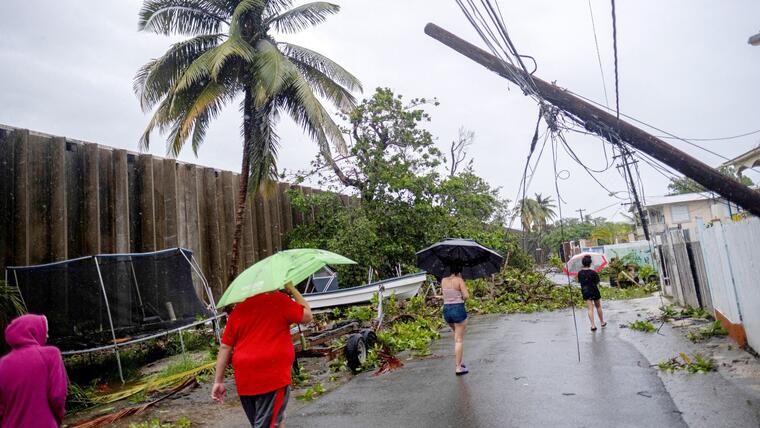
[243, 185]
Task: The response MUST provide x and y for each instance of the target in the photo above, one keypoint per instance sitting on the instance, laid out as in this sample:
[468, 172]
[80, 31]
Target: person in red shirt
[257, 339]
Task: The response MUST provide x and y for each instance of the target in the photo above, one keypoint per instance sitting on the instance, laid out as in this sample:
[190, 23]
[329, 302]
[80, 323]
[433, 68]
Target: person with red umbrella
[589, 279]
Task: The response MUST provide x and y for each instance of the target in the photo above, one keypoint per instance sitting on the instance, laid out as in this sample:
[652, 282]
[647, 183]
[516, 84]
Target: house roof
[748, 159]
[653, 201]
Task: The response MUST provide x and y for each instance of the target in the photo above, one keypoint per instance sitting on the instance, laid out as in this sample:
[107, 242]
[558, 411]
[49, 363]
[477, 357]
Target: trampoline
[109, 301]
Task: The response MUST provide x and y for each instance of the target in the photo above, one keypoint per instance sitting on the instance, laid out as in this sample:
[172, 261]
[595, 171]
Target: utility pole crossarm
[592, 117]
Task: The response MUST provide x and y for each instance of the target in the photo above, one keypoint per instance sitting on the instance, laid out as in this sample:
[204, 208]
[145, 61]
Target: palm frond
[326, 87]
[208, 102]
[272, 69]
[156, 78]
[274, 7]
[234, 46]
[306, 110]
[197, 71]
[242, 8]
[322, 63]
[191, 17]
[301, 17]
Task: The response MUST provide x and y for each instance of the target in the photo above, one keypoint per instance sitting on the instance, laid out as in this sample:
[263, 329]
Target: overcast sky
[685, 66]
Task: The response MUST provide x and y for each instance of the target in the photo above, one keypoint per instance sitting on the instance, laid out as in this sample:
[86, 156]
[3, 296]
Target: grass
[698, 364]
[642, 325]
[706, 332]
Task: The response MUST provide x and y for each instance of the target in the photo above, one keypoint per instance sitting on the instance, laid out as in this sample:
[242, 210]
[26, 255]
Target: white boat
[403, 287]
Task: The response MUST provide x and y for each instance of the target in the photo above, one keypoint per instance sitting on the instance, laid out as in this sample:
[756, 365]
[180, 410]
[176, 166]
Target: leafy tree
[610, 233]
[681, 185]
[405, 198]
[231, 51]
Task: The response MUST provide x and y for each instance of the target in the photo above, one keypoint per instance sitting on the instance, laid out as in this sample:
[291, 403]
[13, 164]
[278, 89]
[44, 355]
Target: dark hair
[586, 260]
[455, 269]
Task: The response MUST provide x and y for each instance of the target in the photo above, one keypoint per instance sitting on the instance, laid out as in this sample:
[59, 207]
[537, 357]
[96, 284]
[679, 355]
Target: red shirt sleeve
[229, 337]
[291, 311]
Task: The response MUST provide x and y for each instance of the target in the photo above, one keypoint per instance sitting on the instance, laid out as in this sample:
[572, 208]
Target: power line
[598, 55]
[614, 48]
[641, 122]
[757, 131]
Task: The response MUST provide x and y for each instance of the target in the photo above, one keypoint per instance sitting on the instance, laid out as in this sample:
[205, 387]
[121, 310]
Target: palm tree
[231, 52]
[529, 213]
[545, 207]
[611, 233]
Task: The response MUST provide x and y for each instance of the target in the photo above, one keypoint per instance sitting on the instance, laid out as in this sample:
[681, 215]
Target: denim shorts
[454, 313]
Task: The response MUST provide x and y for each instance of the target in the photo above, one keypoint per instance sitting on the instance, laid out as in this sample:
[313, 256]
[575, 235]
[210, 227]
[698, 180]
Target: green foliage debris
[641, 325]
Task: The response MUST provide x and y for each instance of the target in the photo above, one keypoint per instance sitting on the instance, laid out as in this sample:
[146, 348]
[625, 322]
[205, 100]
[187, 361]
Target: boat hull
[403, 288]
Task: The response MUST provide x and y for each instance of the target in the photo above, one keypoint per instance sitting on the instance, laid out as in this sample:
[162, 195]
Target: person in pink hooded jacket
[33, 381]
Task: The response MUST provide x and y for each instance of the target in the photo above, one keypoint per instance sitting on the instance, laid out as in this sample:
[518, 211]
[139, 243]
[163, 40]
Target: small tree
[681, 185]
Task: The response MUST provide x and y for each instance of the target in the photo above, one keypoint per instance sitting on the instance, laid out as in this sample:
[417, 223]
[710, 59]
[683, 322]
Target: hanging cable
[614, 48]
[598, 55]
[562, 238]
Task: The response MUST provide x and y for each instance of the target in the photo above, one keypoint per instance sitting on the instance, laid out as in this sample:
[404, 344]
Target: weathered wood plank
[133, 181]
[202, 255]
[7, 205]
[183, 175]
[58, 217]
[147, 207]
[286, 210]
[212, 223]
[21, 206]
[91, 229]
[274, 212]
[249, 256]
[107, 209]
[228, 189]
[170, 203]
[121, 201]
[159, 203]
[38, 198]
[193, 199]
[75, 199]
[255, 231]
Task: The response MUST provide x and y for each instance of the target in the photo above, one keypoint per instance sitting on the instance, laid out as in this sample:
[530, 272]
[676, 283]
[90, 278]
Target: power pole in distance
[580, 211]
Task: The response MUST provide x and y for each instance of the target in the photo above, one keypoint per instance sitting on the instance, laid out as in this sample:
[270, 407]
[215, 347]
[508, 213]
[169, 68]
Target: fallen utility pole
[593, 117]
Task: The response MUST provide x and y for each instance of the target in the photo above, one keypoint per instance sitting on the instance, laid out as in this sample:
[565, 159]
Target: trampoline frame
[211, 306]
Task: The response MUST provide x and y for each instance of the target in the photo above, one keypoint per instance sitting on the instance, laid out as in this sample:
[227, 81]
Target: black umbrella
[476, 260]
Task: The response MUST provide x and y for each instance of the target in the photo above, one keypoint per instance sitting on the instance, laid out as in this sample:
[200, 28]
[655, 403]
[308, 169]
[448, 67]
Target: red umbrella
[574, 265]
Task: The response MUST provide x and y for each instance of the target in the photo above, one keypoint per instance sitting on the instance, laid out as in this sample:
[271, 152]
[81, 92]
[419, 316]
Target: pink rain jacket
[32, 377]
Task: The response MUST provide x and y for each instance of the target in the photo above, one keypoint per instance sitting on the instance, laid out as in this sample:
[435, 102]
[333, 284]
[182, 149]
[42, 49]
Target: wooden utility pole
[596, 120]
[580, 212]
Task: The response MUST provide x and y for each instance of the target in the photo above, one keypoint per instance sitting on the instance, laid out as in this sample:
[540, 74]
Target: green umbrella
[275, 271]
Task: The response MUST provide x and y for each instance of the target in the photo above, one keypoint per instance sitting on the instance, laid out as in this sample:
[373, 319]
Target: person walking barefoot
[454, 294]
[589, 280]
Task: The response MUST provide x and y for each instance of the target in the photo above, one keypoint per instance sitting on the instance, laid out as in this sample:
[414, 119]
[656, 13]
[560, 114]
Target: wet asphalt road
[524, 372]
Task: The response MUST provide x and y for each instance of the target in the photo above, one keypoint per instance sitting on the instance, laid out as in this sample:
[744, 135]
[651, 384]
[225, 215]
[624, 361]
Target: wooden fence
[61, 199]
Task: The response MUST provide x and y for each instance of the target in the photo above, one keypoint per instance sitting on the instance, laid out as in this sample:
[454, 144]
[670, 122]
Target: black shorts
[590, 292]
[266, 410]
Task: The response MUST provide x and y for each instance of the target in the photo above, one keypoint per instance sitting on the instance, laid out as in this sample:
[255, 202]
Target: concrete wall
[61, 199]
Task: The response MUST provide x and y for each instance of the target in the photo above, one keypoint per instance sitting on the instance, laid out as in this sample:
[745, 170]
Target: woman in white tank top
[455, 292]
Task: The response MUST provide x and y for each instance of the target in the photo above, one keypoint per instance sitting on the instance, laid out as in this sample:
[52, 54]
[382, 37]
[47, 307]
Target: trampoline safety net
[144, 293]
